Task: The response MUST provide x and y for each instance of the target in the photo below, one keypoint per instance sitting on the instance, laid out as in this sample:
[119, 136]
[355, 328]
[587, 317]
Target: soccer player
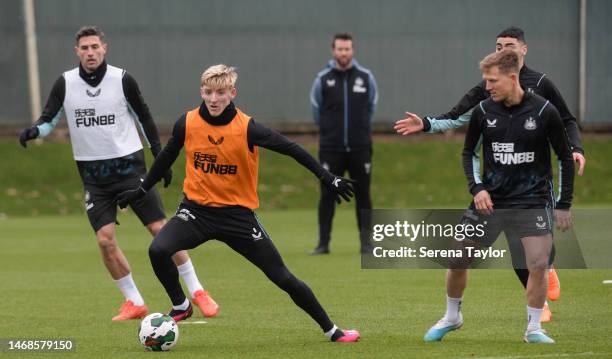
[102, 104]
[512, 38]
[343, 99]
[515, 129]
[222, 163]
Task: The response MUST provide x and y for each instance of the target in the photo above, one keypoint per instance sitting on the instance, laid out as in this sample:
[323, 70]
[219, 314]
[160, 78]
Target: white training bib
[99, 119]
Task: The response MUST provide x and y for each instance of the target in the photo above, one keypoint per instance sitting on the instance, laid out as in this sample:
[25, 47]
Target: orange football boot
[554, 286]
[204, 301]
[130, 311]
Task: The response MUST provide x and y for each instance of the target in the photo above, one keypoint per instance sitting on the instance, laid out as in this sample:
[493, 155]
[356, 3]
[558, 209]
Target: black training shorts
[518, 221]
[102, 209]
[194, 224]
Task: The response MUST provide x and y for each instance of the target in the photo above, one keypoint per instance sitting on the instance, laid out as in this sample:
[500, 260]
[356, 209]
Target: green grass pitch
[54, 285]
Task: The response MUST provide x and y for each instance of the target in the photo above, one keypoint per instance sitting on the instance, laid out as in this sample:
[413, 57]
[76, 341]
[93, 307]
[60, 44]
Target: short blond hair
[219, 77]
[506, 60]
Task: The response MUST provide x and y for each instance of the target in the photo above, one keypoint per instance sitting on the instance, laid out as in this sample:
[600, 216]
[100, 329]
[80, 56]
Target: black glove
[167, 178]
[125, 197]
[341, 187]
[27, 135]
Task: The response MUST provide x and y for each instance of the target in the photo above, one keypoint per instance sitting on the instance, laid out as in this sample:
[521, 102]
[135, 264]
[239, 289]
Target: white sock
[331, 332]
[190, 277]
[127, 286]
[453, 307]
[533, 318]
[183, 306]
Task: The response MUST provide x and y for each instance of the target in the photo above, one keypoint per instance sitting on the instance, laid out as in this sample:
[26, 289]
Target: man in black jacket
[343, 99]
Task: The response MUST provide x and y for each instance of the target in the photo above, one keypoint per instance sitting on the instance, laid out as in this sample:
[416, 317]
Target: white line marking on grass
[195, 322]
[541, 356]
[608, 281]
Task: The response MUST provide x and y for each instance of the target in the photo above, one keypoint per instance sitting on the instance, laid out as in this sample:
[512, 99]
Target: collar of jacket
[223, 119]
[93, 79]
[332, 64]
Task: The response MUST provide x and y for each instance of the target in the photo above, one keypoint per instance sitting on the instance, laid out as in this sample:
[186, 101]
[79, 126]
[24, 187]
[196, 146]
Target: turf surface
[55, 286]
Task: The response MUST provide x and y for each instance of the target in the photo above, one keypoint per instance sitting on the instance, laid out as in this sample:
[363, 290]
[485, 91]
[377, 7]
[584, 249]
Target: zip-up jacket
[516, 143]
[343, 102]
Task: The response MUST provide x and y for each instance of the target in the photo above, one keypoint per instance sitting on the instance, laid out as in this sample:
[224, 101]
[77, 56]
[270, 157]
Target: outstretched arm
[409, 125]
[259, 135]
[458, 116]
[413, 124]
[437, 125]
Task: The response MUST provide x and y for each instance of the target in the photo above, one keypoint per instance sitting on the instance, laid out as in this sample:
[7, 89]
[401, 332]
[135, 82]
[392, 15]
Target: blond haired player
[221, 146]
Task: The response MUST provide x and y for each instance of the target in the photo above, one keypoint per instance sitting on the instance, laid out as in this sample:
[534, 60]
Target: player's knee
[106, 240]
[538, 264]
[106, 245]
[157, 251]
[285, 280]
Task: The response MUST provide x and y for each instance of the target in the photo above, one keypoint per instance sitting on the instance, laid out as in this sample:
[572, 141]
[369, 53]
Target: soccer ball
[158, 332]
